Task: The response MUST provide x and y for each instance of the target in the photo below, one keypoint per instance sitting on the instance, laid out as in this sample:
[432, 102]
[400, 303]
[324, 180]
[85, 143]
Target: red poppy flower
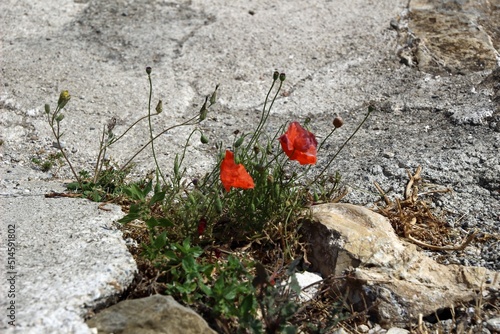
[299, 144]
[234, 175]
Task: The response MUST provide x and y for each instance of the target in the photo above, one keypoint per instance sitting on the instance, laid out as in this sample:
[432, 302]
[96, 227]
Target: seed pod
[239, 142]
[148, 70]
[203, 139]
[203, 110]
[47, 108]
[213, 98]
[338, 122]
[159, 107]
[176, 166]
[276, 75]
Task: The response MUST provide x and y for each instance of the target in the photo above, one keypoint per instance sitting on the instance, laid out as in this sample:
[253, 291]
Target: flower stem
[58, 135]
[158, 170]
[370, 109]
[188, 122]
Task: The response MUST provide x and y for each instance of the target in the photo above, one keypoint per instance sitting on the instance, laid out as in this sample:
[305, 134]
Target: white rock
[363, 328]
[306, 282]
[397, 330]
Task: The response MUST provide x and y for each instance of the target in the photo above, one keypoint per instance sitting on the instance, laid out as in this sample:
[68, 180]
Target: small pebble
[363, 328]
[396, 330]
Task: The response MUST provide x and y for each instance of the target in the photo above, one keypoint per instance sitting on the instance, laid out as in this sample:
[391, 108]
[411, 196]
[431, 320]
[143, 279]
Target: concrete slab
[338, 55]
[61, 258]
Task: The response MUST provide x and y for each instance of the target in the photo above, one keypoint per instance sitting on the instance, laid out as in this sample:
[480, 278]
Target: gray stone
[493, 325]
[390, 274]
[156, 314]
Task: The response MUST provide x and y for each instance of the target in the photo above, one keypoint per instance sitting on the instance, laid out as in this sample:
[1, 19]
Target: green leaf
[247, 304]
[206, 290]
[134, 192]
[157, 187]
[147, 189]
[170, 254]
[161, 240]
[152, 222]
[164, 222]
[134, 213]
[289, 330]
[157, 197]
[230, 293]
[294, 284]
[188, 264]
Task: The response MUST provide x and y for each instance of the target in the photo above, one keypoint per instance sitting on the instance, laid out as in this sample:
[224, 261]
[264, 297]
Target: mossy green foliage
[208, 235]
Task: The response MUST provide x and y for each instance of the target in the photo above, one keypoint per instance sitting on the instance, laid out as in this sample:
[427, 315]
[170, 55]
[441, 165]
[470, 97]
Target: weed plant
[211, 238]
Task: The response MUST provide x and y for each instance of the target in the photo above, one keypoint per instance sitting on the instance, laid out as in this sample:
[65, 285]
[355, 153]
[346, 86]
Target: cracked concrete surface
[338, 56]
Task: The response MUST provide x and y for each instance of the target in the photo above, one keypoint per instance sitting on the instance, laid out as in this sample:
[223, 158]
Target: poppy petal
[299, 144]
[234, 175]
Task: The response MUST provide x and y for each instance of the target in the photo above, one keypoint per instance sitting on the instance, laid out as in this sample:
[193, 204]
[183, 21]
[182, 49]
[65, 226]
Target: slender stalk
[158, 170]
[188, 122]
[326, 138]
[263, 116]
[58, 135]
[370, 109]
[130, 127]
[102, 149]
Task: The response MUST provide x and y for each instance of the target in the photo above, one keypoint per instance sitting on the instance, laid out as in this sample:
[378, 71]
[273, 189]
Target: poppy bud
[277, 189]
[338, 122]
[148, 70]
[276, 75]
[213, 98]
[239, 142]
[203, 139]
[203, 110]
[259, 168]
[47, 108]
[282, 76]
[59, 118]
[218, 205]
[159, 107]
[63, 99]
[192, 199]
[176, 166]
